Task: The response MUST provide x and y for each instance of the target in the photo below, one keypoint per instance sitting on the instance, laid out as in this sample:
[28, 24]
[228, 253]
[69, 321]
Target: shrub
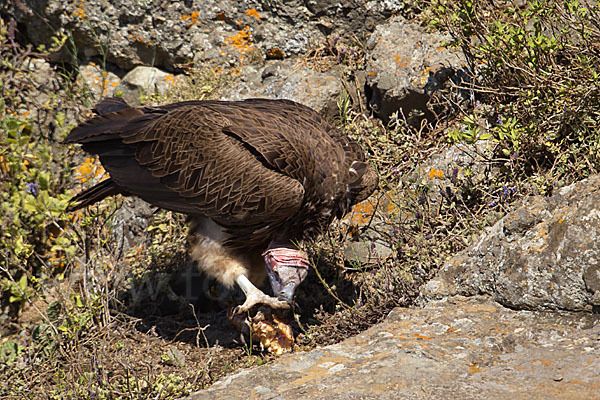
[537, 64]
[31, 207]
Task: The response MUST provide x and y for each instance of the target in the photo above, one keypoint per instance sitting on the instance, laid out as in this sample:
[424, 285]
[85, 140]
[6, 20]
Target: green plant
[10, 351]
[31, 211]
[537, 65]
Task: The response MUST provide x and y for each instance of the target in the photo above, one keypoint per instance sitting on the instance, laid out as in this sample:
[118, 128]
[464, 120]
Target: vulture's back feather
[263, 169]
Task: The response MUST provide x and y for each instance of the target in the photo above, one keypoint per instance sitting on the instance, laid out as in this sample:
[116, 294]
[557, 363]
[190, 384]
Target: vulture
[255, 177]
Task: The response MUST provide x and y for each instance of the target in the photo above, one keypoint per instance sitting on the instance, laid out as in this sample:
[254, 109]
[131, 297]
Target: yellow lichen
[241, 42]
[171, 79]
[89, 169]
[253, 13]
[275, 53]
[400, 61]
[435, 173]
[191, 19]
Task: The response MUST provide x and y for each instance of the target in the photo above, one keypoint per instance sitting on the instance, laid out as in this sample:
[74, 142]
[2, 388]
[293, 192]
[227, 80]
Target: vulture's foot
[255, 297]
[266, 324]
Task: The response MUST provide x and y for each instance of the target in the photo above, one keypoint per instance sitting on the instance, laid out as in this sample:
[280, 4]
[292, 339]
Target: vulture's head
[364, 181]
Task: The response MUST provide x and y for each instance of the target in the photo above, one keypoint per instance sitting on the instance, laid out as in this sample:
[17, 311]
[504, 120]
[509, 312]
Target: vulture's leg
[255, 296]
[286, 269]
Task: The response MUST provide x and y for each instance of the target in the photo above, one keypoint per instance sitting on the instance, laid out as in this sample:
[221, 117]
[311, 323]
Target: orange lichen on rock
[241, 41]
[275, 54]
[435, 173]
[419, 336]
[401, 62]
[191, 19]
[474, 368]
[221, 16]
[171, 79]
[89, 169]
[253, 13]
[362, 212]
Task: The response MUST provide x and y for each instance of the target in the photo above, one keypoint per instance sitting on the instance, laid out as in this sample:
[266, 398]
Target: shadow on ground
[183, 304]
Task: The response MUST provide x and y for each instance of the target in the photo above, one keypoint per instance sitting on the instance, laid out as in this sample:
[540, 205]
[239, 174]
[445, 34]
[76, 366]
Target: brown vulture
[254, 176]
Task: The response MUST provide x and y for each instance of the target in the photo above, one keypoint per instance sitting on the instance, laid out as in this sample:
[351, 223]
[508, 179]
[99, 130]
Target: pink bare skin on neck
[286, 268]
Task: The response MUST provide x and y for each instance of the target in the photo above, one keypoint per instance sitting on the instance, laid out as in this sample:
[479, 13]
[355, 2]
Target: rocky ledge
[514, 315]
[458, 348]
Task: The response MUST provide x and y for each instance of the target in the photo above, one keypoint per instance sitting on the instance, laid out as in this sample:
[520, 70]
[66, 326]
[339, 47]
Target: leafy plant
[537, 65]
[31, 211]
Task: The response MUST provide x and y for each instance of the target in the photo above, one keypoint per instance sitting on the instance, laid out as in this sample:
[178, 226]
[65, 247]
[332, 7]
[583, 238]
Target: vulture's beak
[286, 268]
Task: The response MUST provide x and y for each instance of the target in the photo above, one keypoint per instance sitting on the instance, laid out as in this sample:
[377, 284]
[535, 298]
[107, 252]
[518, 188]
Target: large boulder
[543, 255]
[406, 65]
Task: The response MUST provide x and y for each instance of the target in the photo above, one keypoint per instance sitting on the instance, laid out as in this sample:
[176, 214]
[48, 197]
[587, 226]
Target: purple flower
[32, 188]
[506, 191]
[454, 174]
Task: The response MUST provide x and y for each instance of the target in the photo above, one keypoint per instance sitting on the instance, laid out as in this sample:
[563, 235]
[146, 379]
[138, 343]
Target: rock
[543, 255]
[144, 81]
[318, 90]
[99, 82]
[130, 223]
[174, 357]
[369, 228]
[364, 253]
[455, 349]
[166, 34]
[43, 73]
[445, 173]
[280, 80]
[37, 96]
[406, 65]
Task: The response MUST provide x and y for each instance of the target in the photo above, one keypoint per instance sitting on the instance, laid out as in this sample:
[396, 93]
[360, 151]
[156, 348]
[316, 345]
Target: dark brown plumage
[261, 173]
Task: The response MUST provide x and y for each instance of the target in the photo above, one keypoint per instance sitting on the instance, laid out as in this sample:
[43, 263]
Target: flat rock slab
[462, 348]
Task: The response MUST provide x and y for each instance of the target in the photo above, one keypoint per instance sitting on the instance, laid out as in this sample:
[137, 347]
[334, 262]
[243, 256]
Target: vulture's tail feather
[113, 115]
[110, 104]
[94, 194]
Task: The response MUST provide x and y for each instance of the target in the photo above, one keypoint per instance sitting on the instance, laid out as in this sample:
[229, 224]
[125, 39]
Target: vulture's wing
[197, 158]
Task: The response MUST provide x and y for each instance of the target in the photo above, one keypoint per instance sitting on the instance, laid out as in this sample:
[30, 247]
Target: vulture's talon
[256, 299]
